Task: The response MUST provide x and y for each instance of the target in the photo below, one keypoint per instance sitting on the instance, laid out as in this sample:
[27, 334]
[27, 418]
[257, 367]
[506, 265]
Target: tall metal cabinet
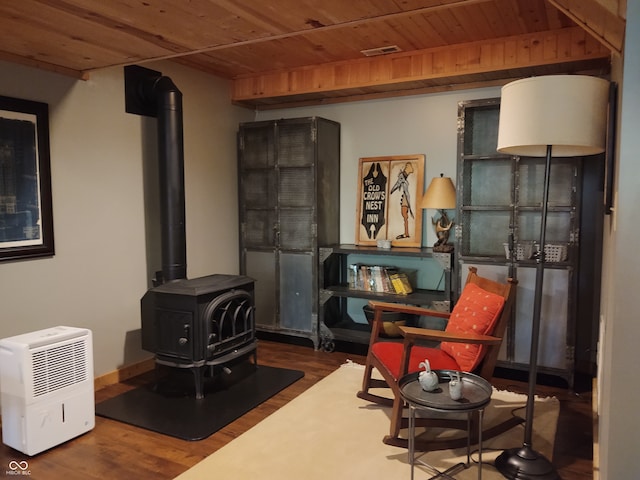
[289, 180]
[499, 213]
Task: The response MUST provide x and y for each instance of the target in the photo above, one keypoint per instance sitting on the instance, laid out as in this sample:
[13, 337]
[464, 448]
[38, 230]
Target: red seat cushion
[476, 311]
[390, 354]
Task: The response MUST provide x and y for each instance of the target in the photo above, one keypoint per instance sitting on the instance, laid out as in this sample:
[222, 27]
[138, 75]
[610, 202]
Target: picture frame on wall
[389, 190]
[26, 214]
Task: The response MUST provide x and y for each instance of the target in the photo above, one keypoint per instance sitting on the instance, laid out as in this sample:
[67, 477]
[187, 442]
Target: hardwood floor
[116, 450]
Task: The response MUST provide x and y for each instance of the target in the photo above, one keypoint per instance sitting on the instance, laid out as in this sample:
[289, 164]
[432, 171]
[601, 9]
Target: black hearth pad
[170, 407]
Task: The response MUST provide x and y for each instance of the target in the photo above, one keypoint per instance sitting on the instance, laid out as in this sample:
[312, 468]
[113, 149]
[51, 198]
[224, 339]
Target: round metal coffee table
[476, 396]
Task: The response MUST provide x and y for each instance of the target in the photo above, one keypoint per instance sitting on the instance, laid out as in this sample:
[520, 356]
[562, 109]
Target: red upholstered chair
[470, 343]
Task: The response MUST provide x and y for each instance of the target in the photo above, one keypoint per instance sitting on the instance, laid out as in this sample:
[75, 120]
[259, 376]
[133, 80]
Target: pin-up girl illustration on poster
[402, 185]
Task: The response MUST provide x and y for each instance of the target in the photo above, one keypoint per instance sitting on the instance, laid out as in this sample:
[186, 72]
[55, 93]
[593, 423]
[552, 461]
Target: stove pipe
[149, 93]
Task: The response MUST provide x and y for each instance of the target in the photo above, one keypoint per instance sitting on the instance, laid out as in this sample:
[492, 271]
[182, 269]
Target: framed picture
[26, 218]
[389, 189]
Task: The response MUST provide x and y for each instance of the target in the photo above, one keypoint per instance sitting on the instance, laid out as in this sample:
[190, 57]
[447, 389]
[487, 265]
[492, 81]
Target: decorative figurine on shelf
[428, 379]
[455, 386]
[443, 226]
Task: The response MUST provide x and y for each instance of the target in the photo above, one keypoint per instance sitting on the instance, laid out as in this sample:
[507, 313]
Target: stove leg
[156, 376]
[198, 374]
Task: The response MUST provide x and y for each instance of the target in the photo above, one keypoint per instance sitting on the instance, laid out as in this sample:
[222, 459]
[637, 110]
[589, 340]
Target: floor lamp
[561, 116]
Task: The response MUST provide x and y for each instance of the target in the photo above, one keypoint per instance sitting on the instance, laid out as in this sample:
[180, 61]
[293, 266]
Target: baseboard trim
[124, 373]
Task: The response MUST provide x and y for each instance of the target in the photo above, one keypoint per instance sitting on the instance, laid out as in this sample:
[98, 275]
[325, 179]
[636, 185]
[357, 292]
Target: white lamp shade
[568, 112]
[441, 194]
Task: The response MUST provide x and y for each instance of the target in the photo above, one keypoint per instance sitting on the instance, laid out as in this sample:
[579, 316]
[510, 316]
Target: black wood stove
[204, 323]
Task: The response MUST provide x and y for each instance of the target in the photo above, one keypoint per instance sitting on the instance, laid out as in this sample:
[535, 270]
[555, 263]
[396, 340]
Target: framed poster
[26, 218]
[389, 189]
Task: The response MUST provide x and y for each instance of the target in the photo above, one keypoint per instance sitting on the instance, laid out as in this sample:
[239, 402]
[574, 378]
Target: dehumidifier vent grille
[59, 367]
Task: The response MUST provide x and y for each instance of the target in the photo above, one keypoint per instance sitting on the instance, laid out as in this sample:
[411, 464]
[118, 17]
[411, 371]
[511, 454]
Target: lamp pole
[524, 462]
[566, 114]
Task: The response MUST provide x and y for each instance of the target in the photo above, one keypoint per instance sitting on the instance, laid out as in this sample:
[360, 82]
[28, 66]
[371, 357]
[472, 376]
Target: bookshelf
[335, 322]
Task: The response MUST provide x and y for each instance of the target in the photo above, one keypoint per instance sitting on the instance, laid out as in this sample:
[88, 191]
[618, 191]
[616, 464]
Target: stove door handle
[184, 340]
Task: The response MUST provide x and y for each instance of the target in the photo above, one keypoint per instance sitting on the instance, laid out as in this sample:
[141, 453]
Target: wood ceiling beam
[604, 20]
[50, 67]
[408, 69]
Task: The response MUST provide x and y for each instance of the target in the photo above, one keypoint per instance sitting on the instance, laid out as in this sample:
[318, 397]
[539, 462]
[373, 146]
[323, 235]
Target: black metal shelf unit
[334, 291]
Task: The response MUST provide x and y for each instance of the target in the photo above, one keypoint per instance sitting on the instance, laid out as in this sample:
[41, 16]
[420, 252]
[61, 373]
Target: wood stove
[200, 323]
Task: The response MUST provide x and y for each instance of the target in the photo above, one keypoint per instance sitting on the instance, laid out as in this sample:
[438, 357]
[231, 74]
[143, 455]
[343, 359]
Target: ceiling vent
[372, 52]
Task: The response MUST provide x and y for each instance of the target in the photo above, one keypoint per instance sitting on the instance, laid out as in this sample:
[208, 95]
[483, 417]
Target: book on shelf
[365, 278]
[352, 276]
[401, 283]
[378, 284]
[379, 279]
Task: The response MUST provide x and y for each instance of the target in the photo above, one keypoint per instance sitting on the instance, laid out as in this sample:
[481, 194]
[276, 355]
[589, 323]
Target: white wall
[102, 160]
[398, 126]
[619, 394]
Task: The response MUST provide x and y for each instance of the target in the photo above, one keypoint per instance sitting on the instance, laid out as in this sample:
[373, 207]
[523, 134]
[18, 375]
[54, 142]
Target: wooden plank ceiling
[293, 52]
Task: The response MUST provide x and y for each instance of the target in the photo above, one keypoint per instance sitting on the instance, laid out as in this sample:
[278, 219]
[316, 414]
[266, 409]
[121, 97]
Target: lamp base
[525, 463]
[443, 247]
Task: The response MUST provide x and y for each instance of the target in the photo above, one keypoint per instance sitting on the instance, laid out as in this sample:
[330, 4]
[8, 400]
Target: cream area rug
[329, 433]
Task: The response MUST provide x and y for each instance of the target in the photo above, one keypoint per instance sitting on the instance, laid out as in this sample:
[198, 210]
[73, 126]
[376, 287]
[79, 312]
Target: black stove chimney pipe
[171, 161]
[149, 93]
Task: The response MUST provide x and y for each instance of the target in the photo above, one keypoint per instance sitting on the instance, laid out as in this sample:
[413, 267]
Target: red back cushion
[476, 311]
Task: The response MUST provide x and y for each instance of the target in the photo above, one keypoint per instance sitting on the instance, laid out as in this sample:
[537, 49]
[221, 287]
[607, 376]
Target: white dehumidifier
[46, 388]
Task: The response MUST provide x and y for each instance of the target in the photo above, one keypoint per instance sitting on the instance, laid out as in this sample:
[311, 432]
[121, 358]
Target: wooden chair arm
[413, 333]
[411, 309]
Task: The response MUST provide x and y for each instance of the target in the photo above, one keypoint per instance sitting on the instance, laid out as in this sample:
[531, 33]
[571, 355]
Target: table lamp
[555, 115]
[441, 195]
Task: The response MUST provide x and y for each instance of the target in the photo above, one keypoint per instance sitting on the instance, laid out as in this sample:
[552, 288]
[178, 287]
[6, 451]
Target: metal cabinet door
[261, 266]
[553, 346]
[297, 287]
